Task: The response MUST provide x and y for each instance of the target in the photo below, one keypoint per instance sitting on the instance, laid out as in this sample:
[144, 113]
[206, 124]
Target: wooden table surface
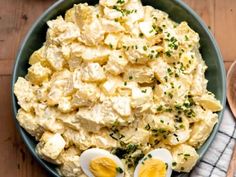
[16, 16]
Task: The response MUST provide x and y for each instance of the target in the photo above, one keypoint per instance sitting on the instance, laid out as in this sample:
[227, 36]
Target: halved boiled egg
[101, 163]
[157, 163]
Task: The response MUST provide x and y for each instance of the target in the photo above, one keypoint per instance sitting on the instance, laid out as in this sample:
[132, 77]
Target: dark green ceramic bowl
[177, 10]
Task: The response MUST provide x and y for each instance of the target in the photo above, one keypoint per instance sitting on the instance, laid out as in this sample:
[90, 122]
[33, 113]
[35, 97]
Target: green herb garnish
[119, 170]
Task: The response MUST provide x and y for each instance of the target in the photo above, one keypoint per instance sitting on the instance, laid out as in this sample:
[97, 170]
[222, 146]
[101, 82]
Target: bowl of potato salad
[118, 88]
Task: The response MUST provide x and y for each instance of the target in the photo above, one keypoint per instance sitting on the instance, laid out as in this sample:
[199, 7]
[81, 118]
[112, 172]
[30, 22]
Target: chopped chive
[186, 38]
[145, 48]
[119, 170]
[174, 164]
[144, 91]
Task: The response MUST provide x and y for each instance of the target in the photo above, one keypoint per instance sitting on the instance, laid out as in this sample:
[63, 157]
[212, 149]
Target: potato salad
[121, 77]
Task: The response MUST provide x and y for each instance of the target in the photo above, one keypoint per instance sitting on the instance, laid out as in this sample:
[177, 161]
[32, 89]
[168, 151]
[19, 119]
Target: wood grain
[205, 9]
[225, 23]
[16, 16]
[15, 161]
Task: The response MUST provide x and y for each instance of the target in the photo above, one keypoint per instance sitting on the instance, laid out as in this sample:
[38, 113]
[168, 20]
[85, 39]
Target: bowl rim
[58, 3]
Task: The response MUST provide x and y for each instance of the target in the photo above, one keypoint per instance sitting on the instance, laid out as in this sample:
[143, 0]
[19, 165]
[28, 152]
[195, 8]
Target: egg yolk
[103, 167]
[152, 168]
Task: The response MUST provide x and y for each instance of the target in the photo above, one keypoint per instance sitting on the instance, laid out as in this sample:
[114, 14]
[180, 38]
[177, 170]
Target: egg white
[160, 154]
[87, 156]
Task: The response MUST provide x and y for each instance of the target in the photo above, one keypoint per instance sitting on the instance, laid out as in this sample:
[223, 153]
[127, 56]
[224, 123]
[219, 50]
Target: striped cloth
[215, 162]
